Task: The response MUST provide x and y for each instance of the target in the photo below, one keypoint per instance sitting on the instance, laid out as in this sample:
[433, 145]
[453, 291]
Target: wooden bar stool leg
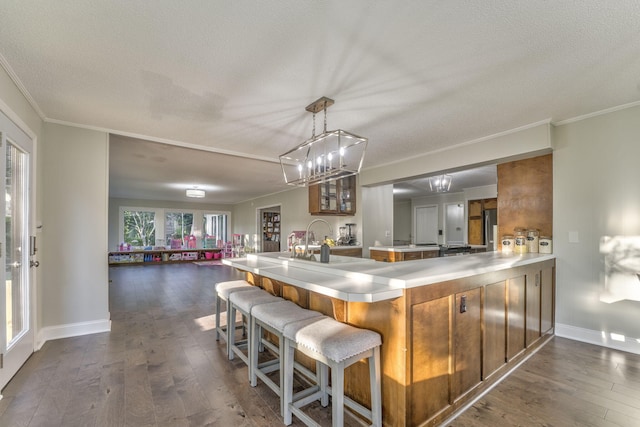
[337, 395]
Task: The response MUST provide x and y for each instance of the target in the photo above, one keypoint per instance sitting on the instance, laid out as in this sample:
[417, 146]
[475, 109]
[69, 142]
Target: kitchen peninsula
[451, 327]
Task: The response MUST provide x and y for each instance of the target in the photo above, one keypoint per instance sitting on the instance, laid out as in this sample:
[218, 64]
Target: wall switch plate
[387, 233]
[574, 237]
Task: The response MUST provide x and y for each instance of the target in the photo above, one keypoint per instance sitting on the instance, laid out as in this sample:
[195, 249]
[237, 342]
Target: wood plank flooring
[161, 366]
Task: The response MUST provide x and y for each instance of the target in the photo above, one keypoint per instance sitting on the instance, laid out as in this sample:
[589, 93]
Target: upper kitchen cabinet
[333, 197]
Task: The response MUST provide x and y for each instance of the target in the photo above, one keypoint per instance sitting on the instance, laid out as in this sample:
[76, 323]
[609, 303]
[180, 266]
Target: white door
[426, 218]
[16, 330]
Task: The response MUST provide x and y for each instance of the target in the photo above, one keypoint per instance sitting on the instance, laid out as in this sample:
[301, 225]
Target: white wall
[596, 193]
[377, 225]
[74, 227]
[402, 221]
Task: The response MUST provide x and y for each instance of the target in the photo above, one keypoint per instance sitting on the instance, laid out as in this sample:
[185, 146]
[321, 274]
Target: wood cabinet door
[475, 208]
[475, 231]
[408, 256]
[495, 320]
[533, 307]
[379, 255]
[467, 347]
[430, 335]
[515, 316]
[490, 203]
[547, 290]
[430, 254]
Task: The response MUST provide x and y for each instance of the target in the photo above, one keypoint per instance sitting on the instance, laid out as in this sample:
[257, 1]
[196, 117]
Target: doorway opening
[269, 222]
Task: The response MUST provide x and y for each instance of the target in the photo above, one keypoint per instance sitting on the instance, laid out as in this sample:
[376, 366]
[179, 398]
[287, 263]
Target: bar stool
[335, 345]
[223, 290]
[243, 302]
[273, 318]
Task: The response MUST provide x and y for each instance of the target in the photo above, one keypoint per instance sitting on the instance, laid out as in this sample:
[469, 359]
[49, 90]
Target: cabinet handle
[463, 304]
[537, 279]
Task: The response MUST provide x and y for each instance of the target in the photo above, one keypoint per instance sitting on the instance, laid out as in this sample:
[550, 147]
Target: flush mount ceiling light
[195, 192]
[331, 155]
[440, 183]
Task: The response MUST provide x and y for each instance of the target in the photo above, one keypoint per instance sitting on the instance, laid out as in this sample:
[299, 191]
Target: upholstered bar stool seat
[243, 302]
[335, 345]
[223, 290]
[273, 318]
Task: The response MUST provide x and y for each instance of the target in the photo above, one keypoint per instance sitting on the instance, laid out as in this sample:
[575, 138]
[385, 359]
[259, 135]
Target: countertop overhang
[366, 280]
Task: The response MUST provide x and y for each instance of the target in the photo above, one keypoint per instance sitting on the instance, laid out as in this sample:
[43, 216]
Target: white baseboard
[72, 330]
[604, 339]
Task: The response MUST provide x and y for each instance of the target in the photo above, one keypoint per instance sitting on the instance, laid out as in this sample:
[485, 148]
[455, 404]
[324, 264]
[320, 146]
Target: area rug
[211, 262]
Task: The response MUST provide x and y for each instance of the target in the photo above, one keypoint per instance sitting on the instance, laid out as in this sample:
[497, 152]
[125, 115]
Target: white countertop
[366, 280]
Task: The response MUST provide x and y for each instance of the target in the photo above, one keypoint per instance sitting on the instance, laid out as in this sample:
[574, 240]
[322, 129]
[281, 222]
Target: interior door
[426, 218]
[16, 329]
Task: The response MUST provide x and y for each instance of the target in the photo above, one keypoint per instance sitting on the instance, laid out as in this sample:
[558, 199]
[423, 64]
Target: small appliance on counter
[347, 235]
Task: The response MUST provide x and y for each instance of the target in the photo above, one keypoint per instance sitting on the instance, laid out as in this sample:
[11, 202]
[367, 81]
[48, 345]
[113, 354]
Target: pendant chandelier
[440, 183]
[331, 155]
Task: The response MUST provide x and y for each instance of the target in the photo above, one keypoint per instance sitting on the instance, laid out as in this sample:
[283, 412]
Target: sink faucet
[306, 254]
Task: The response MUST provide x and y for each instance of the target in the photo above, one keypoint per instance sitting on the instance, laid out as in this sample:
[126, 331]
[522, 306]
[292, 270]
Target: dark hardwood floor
[161, 366]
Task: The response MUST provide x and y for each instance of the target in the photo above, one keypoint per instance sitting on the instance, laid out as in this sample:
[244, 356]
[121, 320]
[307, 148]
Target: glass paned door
[16, 330]
[16, 243]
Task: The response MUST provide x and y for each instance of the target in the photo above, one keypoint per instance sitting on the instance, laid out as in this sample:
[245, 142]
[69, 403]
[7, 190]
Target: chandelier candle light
[331, 155]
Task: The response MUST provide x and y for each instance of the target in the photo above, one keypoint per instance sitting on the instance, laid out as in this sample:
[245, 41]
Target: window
[215, 227]
[178, 226]
[139, 228]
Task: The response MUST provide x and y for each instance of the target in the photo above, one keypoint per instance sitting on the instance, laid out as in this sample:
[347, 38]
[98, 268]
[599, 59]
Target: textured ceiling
[235, 76]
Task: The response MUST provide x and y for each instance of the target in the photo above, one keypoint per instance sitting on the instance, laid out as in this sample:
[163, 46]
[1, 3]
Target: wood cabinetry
[445, 343]
[476, 219]
[336, 197]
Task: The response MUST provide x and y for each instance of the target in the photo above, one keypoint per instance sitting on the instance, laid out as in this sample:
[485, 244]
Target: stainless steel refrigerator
[490, 219]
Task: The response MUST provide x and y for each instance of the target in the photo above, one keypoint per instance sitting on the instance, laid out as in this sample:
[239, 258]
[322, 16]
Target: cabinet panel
[533, 308]
[475, 208]
[495, 339]
[408, 256]
[431, 329]
[430, 254]
[379, 255]
[475, 231]
[467, 350]
[515, 316]
[546, 300]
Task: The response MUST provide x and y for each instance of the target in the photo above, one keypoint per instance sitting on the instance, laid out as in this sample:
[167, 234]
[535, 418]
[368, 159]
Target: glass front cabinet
[333, 197]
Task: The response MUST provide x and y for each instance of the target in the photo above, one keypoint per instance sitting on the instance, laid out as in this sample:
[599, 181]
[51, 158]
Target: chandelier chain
[313, 131]
[325, 116]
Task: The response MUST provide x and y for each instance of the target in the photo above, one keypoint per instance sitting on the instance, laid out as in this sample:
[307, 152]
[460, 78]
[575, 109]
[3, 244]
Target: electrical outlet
[387, 233]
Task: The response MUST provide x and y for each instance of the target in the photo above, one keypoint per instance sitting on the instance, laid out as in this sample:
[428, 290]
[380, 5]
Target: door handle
[34, 263]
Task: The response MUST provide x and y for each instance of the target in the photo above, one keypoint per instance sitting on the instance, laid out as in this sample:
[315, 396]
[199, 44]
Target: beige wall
[74, 228]
[596, 193]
